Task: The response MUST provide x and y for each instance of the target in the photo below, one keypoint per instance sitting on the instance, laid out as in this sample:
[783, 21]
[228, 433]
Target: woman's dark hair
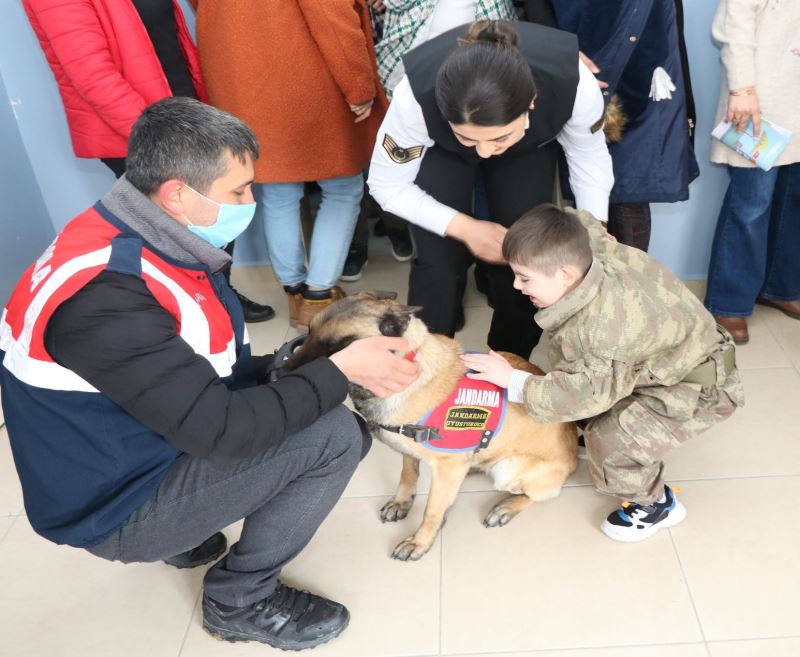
[486, 80]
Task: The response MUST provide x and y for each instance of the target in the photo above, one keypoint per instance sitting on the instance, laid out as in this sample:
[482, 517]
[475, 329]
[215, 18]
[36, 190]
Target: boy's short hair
[547, 238]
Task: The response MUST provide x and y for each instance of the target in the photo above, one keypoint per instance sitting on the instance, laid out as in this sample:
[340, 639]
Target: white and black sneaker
[636, 522]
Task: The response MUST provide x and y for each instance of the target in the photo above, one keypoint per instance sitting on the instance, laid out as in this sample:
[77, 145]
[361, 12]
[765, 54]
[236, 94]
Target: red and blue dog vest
[468, 418]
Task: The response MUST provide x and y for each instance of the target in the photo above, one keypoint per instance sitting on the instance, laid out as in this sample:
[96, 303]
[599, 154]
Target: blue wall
[26, 228]
[53, 186]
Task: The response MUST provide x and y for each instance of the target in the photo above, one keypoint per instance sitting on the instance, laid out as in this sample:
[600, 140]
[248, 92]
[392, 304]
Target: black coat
[628, 40]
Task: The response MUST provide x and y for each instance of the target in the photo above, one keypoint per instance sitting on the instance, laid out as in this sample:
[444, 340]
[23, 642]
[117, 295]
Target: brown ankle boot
[736, 326]
[294, 295]
[788, 308]
[295, 299]
[312, 302]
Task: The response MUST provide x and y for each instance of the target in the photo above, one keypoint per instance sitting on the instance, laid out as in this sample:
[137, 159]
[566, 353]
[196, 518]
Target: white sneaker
[636, 522]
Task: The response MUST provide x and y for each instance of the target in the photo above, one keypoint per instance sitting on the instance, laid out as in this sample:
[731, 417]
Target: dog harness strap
[417, 432]
[486, 438]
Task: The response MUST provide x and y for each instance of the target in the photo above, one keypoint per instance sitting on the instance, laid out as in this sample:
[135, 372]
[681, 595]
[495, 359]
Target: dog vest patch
[469, 418]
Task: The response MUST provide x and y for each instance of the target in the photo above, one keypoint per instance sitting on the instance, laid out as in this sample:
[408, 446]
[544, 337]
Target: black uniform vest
[553, 58]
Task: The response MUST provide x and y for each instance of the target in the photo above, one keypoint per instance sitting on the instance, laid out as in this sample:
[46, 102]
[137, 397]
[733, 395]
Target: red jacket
[106, 67]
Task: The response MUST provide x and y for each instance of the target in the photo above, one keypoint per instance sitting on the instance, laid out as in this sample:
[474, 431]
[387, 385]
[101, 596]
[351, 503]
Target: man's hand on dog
[491, 367]
[372, 364]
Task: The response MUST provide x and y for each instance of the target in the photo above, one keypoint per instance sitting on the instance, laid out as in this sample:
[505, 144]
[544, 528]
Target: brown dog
[529, 460]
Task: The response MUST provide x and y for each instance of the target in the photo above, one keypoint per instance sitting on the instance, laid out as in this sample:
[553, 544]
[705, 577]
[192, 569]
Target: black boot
[288, 619]
[208, 551]
[254, 312]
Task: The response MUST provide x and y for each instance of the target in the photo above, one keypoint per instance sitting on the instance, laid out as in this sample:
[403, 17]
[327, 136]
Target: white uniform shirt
[391, 183]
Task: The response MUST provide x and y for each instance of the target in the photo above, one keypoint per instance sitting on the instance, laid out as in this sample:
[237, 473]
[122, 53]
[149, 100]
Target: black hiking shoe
[208, 551]
[288, 619]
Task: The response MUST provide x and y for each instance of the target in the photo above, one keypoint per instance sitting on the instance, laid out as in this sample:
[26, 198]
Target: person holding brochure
[753, 258]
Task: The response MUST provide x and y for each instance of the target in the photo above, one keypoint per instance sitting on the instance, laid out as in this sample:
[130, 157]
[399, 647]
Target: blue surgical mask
[232, 220]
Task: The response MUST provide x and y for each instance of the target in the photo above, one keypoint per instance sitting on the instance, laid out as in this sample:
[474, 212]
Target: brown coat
[290, 69]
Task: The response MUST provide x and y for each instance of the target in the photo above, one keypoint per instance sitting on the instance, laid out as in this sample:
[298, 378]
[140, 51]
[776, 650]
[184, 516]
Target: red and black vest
[85, 465]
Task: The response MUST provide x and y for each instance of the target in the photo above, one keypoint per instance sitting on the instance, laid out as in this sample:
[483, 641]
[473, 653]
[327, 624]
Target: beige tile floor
[725, 583]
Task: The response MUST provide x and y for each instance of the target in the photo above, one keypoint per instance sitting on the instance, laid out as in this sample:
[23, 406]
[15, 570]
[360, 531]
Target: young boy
[632, 351]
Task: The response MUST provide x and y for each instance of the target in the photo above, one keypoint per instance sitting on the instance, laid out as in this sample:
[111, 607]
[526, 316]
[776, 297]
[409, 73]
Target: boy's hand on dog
[371, 363]
[491, 367]
[483, 238]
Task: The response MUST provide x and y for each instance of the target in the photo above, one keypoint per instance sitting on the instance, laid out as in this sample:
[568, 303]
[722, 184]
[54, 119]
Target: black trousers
[369, 208]
[515, 182]
[630, 223]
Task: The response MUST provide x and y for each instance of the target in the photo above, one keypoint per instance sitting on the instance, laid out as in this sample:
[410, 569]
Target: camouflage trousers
[626, 444]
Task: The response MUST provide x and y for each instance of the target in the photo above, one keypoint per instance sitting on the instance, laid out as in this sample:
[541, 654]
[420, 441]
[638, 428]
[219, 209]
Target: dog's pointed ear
[411, 310]
[314, 349]
[366, 294]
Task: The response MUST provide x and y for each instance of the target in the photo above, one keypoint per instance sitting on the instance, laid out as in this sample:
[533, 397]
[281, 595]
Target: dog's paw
[500, 515]
[409, 550]
[393, 511]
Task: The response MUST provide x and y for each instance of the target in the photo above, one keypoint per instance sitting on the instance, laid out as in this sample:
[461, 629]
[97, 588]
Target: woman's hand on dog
[491, 367]
[372, 364]
[483, 238]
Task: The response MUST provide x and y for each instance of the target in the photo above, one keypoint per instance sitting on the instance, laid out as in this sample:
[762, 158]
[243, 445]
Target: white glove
[661, 87]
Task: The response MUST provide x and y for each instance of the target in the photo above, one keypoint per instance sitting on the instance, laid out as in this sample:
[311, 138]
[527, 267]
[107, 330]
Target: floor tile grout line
[579, 649]
[195, 607]
[777, 340]
[733, 477]
[8, 531]
[784, 351]
[756, 638]
[689, 592]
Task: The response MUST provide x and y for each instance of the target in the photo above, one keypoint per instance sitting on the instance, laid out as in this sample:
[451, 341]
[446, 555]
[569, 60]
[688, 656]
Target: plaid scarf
[404, 18]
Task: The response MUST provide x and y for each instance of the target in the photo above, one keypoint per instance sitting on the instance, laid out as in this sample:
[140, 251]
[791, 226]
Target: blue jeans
[279, 209]
[756, 250]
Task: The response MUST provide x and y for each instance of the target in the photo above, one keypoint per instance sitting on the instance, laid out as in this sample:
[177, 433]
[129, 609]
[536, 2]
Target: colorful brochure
[762, 150]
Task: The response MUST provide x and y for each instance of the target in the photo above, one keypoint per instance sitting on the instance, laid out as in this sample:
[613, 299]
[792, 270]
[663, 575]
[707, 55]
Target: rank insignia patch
[398, 153]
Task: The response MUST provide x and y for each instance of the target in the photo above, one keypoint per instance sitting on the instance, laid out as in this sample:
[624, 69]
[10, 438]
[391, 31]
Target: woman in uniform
[497, 97]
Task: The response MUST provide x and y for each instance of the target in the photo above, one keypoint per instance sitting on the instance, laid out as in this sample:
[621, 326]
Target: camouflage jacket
[630, 325]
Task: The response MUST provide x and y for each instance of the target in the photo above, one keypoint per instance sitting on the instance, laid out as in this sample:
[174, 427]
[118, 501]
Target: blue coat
[628, 39]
